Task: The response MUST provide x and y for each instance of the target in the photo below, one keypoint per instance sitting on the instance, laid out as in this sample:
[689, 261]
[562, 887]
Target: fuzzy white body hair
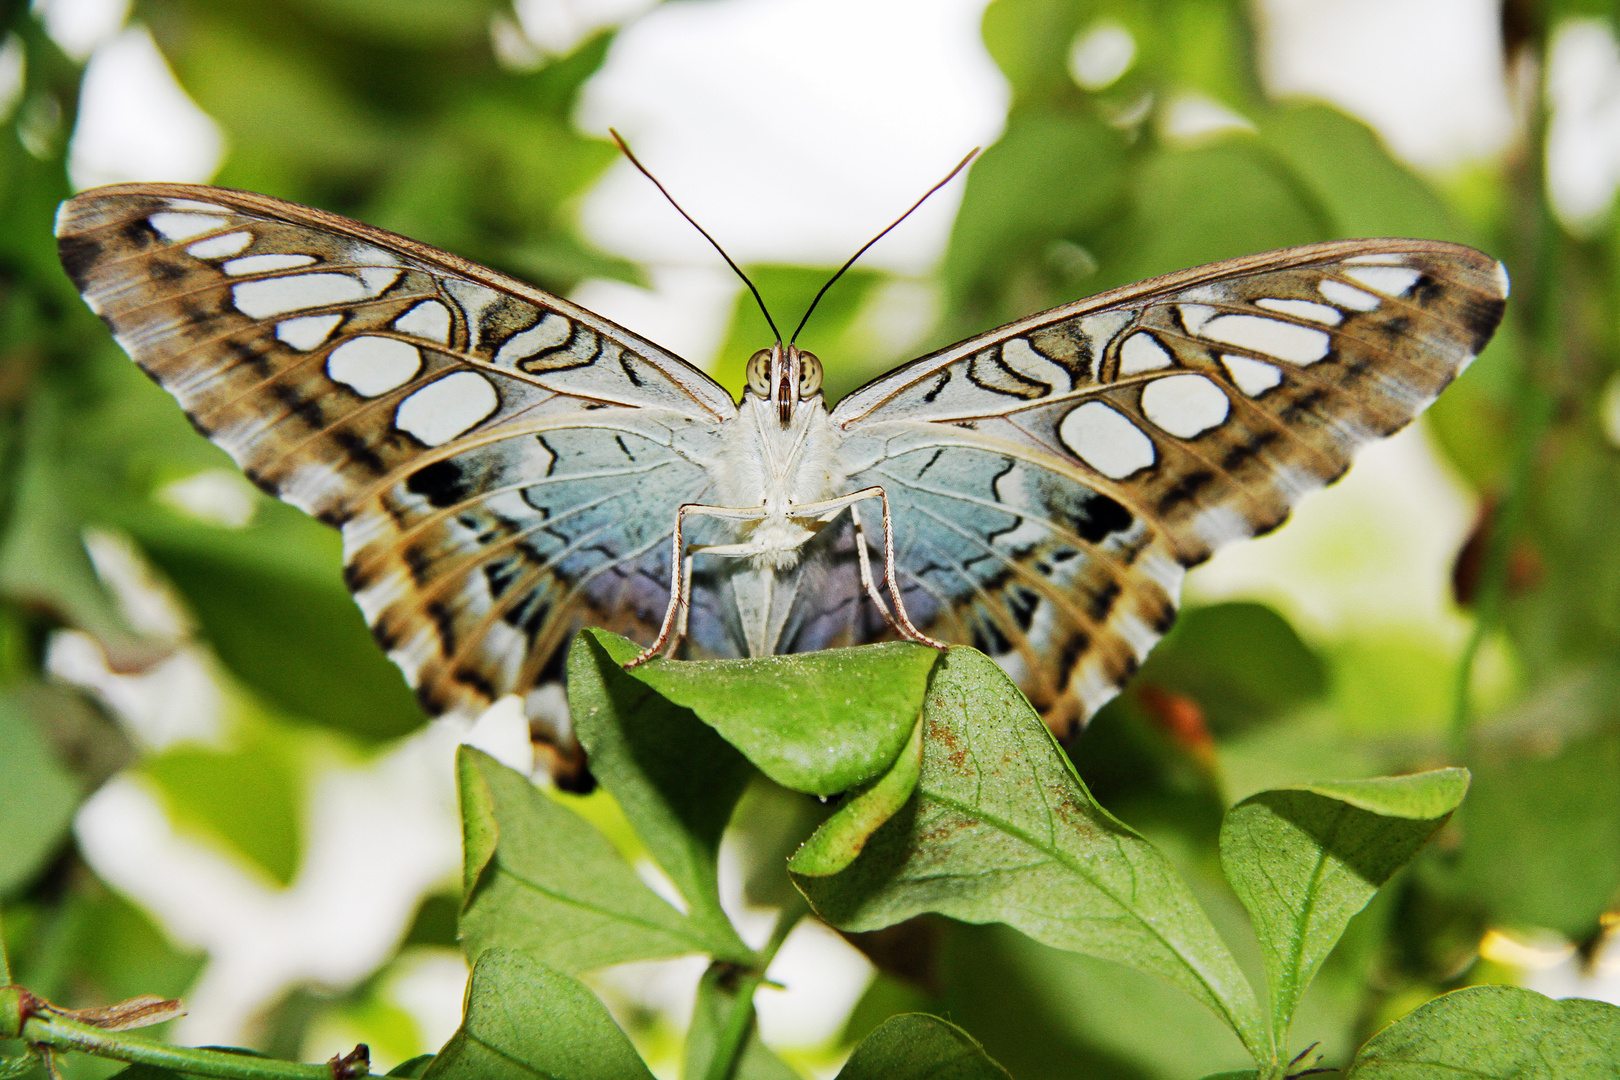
[777, 469]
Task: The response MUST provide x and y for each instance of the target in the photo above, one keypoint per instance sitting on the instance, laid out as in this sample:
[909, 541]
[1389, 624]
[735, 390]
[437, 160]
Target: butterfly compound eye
[759, 373]
[809, 374]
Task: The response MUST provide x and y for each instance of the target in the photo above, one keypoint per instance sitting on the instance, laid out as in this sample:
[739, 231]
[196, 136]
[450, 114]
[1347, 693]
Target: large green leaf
[1304, 861]
[525, 1021]
[1241, 661]
[1541, 830]
[43, 561]
[916, 1046]
[38, 796]
[249, 797]
[842, 836]
[271, 601]
[1052, 176]
[1002, 830]
[1359, 186]
[1217, 201]
[540, 880]
[1047, 1014]
[1496, 1033]
[675, 779]
[819, 722]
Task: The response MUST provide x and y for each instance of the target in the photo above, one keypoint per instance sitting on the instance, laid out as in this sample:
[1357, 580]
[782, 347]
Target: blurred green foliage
[425, 130]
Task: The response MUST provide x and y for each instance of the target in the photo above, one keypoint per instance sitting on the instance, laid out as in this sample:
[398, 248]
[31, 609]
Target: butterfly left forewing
[1164, 419]
[504, 465]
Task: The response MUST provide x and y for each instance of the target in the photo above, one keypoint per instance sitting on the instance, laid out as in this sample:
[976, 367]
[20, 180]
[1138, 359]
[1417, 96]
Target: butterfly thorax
[778, 469]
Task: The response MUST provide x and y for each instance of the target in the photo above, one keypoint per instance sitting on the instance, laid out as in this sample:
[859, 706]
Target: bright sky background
[795, 129]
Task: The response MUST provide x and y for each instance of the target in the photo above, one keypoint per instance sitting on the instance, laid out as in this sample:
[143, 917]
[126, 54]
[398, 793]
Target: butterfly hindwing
[505, 466]
[1126, 437]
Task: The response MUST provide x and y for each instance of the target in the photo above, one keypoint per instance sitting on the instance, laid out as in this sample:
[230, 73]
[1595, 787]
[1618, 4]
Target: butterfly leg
[680, 576]
[904, 625]
[863, 560]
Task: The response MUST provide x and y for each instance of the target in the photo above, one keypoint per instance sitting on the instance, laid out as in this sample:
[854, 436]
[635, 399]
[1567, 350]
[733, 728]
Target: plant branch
[24, 1016]
[728, 1047]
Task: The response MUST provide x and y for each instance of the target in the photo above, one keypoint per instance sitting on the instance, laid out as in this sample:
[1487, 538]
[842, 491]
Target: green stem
[728, 1047]
[5, 965]
[60, 1033]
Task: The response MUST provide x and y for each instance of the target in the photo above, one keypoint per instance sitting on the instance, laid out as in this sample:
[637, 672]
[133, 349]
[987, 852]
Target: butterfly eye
[809, 374]
[759, 373]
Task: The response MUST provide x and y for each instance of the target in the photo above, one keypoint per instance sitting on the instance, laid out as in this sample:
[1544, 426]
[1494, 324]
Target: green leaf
[676, 780]
[426, 23]
[1047, 1014]
[716, 998]
[1344, 165]
[249, 798]
[1051, 177]
[1192, 206]
[415, 1068]
[1542, 825]
[541, 880]
[1305, 860]
[525, 1020]
[271, 600]
[1002, 830]
[1242, 662]
[916, 1046]
[43, 561]
[38, 796]
[1496, 1033]
[1029, 41]
[841, 837]
[819, 722]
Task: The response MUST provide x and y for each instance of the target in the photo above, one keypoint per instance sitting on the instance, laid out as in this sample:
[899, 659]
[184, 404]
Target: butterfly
[507, 467]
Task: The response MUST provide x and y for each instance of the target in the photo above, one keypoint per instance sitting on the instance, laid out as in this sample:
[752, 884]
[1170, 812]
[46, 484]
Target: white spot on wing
[184, 226]
[1303, 309]
[217, 247]
[378, 278]
[1185, 405]
[474, 301]
[273, 296]
[1194, 316]
[444, 409]
[1286, 341]
[548, 333]
[1502, 281]
[429, 319]
[1390, 280]
[1253, 377]
[259, 264]
[1107, 441]
[1102, 328]
[374, 365]
[1142, 352]
[1348, 295]
[1019, 355]
[307, 331]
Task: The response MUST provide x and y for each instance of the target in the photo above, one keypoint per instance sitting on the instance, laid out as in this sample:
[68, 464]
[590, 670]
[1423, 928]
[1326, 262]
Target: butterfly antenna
[948, 178]
[758, 299]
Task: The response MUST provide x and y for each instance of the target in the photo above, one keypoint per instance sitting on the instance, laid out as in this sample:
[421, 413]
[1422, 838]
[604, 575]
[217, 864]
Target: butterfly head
[784, 375]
